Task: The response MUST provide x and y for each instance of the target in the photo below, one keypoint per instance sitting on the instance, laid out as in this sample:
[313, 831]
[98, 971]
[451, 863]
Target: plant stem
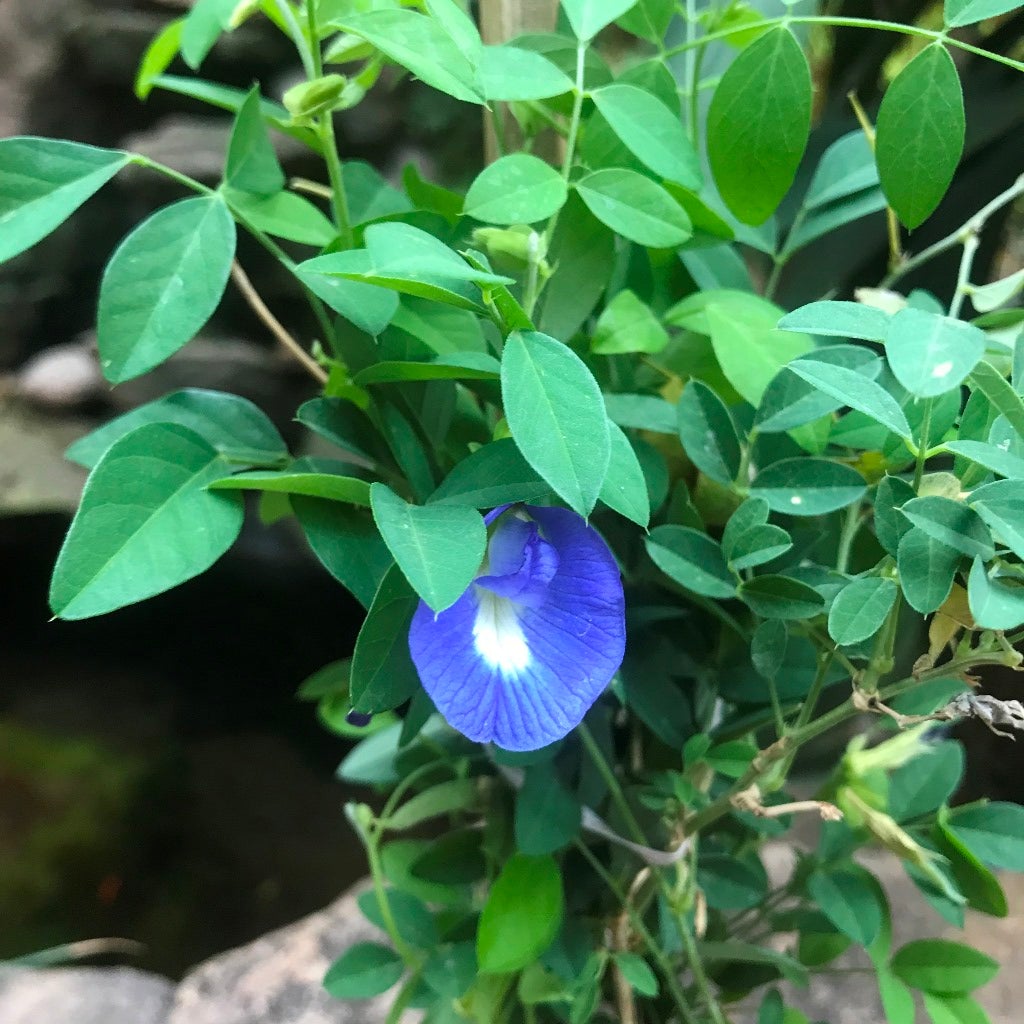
[814, 693]
[668, 971]
[304, 47]
[325, 132]
[615, 790]
[377, 874]
[963, 277]
[922, 451]
[973, 225]
[259, 307]
[851, 526]
[837, 22]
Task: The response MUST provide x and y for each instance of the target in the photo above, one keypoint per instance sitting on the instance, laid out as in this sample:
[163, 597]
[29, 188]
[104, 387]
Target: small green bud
[309, 99]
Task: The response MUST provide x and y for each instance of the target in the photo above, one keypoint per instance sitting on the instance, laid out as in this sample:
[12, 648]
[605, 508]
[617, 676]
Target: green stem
[814, 693]
[377, 875]
[963, 279]
[328, 141]
[686, 1012]
[922, 451]
[306, 48]
[973, 225]
[851, 526]
[605, 771]
[868, 23]
[700, 977]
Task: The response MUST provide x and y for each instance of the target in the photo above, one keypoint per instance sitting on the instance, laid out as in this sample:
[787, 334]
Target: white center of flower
[497, 635]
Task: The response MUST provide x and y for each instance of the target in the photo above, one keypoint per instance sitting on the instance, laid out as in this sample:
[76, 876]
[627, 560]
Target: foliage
[815, 483]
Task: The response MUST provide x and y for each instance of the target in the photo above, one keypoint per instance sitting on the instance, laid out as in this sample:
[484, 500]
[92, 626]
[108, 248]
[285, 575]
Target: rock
[84, 995]
[62, 376]
[277, 979]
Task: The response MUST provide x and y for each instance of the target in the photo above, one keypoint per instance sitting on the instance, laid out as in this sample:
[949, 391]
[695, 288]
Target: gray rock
[277, 979]
[84, 995]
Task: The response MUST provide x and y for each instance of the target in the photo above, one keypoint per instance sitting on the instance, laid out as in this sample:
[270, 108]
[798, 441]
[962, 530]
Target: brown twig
[259, 307]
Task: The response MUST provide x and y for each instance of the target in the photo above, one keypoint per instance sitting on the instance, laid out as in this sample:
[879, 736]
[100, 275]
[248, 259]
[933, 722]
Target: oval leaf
[708, 433]
[945, 968]
[758, 123]
[808, 487]
[651, 132]
[146, 522]
[438, 547]
[556, 415]
[692, 559]
[516, 189]
[522, 915]
[635, 207]
[42, 182]
[931, 354]
[162, 284]
[860, 609]
[920, 134]
[367, 969]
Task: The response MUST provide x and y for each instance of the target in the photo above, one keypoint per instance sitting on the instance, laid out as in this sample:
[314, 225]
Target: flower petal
[519, 661]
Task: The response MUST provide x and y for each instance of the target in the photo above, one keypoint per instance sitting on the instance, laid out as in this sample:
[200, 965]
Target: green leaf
[758, 123]
[692, 559]
[732, 951]
[516, 189]
[346, 543]
[627, 325]
[556, 415]
[583, 250]
[808, 487]
[789, 401]
[635, 207]
[522, 915]
[493, 475]
[846, 168]
[146, 522]
[998, 390]
[638, 974]
[162, 284]
[975, 882]
[943, 968]
[708, 433]
[651, 132]
[368, 306]
[926, 567]
[856, 391]
[314, 485]
[438, 547]
[749, 348]
[860, 609]
[987, 297]
[768, 648]
[252, 165]
[641, 412]
[925, 782]
[828, 218]
[43, 182]
[284, 215]
[511, 73]
[897, 999]
[758, 545]
[848, 902]
[231, 424]
[419, 43]
[588, 17]
[919, 134]
[366, 969]
[992, 457]
[203, 26]
[838, 319]
[371, 197]
[994, 604]
[970, 12]
[954, 1010]
[451, 969]
[162, 49]
[625, 487]
[954, 524]
[731, 883]
[890, 526]
[931, 354]
[458, 366]
[547, 816]
[994, 832]
[383, 675]
[414, 921]
[781, 597]
[444, 798]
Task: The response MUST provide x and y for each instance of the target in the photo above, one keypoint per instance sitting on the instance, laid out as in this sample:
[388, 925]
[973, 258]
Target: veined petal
[523, 654]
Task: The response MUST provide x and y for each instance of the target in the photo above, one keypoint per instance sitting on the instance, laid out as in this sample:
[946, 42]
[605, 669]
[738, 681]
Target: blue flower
[522, 655]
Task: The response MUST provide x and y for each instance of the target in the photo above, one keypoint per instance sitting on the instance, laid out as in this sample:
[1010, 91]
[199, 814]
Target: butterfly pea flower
[522, 655]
